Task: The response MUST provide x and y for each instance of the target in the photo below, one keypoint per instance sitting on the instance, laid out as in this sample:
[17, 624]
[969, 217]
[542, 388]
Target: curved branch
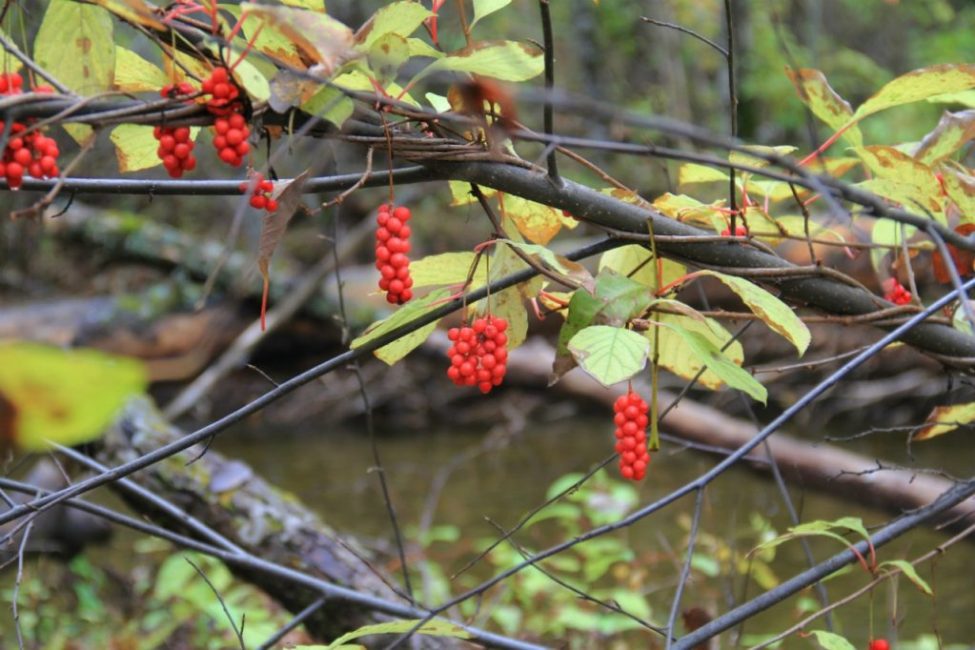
[603, 210]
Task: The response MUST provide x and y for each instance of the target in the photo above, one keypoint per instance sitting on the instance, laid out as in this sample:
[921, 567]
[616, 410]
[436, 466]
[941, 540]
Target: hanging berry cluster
[175, 144]
[895, 292]
[230, 128]
[479, 354]
[260, 193]
[631, 435]
[33, 154]
[392, 245]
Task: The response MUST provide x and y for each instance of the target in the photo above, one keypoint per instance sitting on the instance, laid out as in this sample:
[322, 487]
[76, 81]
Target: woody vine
[252, 77]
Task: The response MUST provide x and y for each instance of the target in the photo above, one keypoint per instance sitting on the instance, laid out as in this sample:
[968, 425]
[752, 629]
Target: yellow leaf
[48, 394]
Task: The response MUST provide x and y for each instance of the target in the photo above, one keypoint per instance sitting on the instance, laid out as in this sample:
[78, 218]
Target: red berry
[879, 644]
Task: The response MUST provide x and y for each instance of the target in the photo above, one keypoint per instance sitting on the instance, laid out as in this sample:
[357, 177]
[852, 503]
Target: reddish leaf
[273, 226]
[964, 260]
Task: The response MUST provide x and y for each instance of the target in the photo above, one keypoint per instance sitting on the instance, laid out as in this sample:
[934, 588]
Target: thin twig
[233, 624]
[553, 170]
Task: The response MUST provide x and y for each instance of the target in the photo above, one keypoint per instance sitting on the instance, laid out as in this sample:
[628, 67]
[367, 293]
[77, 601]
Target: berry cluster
[175, 144]
[631, 435]
[33, 153]
[392, 245]
[479, 354]
[230, 128]
[261, 193]
[740, 231]
[230, 139]
[224, 92]
[895, 292]
[879, 644]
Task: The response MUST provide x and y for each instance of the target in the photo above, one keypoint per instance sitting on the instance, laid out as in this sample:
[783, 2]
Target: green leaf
[484, 8]
[919, 85]
[135, 146]
[447, 268]
[740, 158]
[615, 300]
[8, 62]
[831, 640]
[330, 104]
[133, 74]
[48, 394]
[910, 571]
[393, 352]
[504, 60]
[386, 55]
[773, 312]
[954, 130]
[314, 5]
[944, 419]
[75, 43]
[440, 104]
[609, 354]
[679, 358]
[721, 365]
[636, 263]
[400, 18]
[252, 80]
[510, 303]
[816, 93]
[430, 628]
[693, 174]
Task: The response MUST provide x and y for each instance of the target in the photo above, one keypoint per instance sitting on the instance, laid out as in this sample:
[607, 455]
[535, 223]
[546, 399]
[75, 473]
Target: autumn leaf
[273, 225]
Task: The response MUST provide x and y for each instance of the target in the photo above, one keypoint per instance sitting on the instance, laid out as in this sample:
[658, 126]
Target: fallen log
[231, 499]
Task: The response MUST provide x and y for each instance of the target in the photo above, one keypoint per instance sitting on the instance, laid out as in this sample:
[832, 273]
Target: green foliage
[84, 605]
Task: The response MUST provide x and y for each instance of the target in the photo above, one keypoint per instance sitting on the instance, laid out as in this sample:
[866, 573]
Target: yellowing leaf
[919, 85]
[396, 350]
[536, 222]
[816, 93]
[447, 268]
[679, 358]
[690, 210]
[636, 262]
[400, 18]
[944, 419]
[317, 36]
[910, 572]
[773, 312]
[135, 146]
[954, 130]
[75, 43]
[430, 628]
[510, 303]
[133, 74]
[904, 180]
[609, 354]
[718, 363]
[48, 394]
[504, 60]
